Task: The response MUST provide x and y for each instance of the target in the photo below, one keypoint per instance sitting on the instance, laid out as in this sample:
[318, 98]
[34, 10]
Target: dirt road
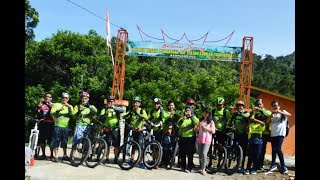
[47, 170]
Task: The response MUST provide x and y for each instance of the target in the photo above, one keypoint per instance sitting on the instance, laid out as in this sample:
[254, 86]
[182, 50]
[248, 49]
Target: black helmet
[110, 97]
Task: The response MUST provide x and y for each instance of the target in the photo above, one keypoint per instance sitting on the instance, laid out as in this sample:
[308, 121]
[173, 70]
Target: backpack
[287, 124]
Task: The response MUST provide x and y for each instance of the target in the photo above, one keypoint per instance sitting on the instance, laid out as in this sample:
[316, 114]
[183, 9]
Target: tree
[31, 21]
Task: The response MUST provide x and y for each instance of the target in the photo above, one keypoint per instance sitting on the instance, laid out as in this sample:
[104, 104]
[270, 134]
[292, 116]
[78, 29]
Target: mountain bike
[217, 158]
[129, 154]
[98, 145]
[34, 135]
[152, 152]
[82, 148]
[234, 152]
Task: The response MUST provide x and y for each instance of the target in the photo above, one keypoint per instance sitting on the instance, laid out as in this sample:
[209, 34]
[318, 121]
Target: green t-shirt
[84, 117]
[61, 118]
[219, 120]
[262, 116]
[187, 125]
[110, 119]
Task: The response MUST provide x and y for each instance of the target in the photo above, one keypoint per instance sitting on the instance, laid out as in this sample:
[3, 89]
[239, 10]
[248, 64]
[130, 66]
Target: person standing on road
[84, 114]
[260, 114]
[278, 122]
[205, 129]
[62, 113]
[136, 117]
[45, 126]
[187, 138]
[255, 144]
[110, 115]
[240, 121]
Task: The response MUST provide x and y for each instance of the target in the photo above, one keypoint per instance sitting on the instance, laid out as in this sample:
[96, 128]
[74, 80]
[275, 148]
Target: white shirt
[278, 126]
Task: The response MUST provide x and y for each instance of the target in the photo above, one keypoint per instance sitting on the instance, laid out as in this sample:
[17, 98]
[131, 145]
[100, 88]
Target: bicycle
[98, 145]
[82, 148]
[175, 154]
[126, 160]
[152, 152]
[234, 152]
[34, 136]
[217, 158]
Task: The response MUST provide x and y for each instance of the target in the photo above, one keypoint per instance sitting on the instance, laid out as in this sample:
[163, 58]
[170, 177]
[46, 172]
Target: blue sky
[271, 23]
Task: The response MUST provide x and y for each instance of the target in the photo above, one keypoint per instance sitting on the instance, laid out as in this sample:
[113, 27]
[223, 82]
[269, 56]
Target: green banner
[185, 51]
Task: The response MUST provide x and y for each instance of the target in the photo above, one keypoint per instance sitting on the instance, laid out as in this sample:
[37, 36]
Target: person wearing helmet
[239, 121]
[110, 116]
[136, 117]
[221, 116]
[187, 138]
[260, 115]
[257, 125]
[62, 113]
[83, 113]
[157, 116]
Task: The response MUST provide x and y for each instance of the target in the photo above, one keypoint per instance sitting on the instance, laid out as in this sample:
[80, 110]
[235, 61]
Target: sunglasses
[65, 98]
[48, 96]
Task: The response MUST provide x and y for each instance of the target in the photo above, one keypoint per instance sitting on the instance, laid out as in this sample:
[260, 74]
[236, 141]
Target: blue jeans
[254, 152]
[276, 144]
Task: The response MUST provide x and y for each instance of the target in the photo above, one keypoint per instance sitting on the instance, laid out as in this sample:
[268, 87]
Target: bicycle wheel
[174, 155]
[234, 159]
[81, 153]
[152, 154]
[98, 152]
[126, 159]
[217, 158]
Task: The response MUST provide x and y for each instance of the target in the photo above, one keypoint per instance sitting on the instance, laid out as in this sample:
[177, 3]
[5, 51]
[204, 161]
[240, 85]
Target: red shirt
[44, 111]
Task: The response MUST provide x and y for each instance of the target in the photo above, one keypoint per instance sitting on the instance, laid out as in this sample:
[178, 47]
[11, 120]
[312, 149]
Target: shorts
[59, 135]
[113, 137]
[45, 132]
[78, 133]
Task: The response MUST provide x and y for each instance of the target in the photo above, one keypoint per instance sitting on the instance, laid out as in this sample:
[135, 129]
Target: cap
[137, 98]
[110, 98]
[64, 94]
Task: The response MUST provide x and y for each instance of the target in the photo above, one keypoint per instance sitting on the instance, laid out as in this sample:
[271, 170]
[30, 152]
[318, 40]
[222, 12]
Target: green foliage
[31, 21]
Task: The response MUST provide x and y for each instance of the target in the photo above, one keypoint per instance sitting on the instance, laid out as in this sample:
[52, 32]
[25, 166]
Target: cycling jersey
[219, 120]
[187, 125]
[136, 119]
[240, 121]
[111, 118]
[61, 118]
[84, 117]
[44, 111]
[262, 116]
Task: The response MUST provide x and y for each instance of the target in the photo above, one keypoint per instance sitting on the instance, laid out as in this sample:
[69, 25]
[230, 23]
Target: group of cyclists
[253, 129]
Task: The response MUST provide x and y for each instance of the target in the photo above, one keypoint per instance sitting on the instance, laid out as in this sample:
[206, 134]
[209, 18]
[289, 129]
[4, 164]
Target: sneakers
[246, 172]
[131, 162]
[203, 172]
[261, 168]
[43, 157]
[273, 168]
[253, 172]
[142, 166]
[241, 170]
[51, 158]
[55, 159]
[65, 158]
[284, 170]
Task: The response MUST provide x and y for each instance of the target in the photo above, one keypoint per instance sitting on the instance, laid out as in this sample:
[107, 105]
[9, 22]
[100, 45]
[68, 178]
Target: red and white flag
[108, 30]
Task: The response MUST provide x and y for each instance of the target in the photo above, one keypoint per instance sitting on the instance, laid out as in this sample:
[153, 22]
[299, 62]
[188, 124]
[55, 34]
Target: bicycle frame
[34, 135]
